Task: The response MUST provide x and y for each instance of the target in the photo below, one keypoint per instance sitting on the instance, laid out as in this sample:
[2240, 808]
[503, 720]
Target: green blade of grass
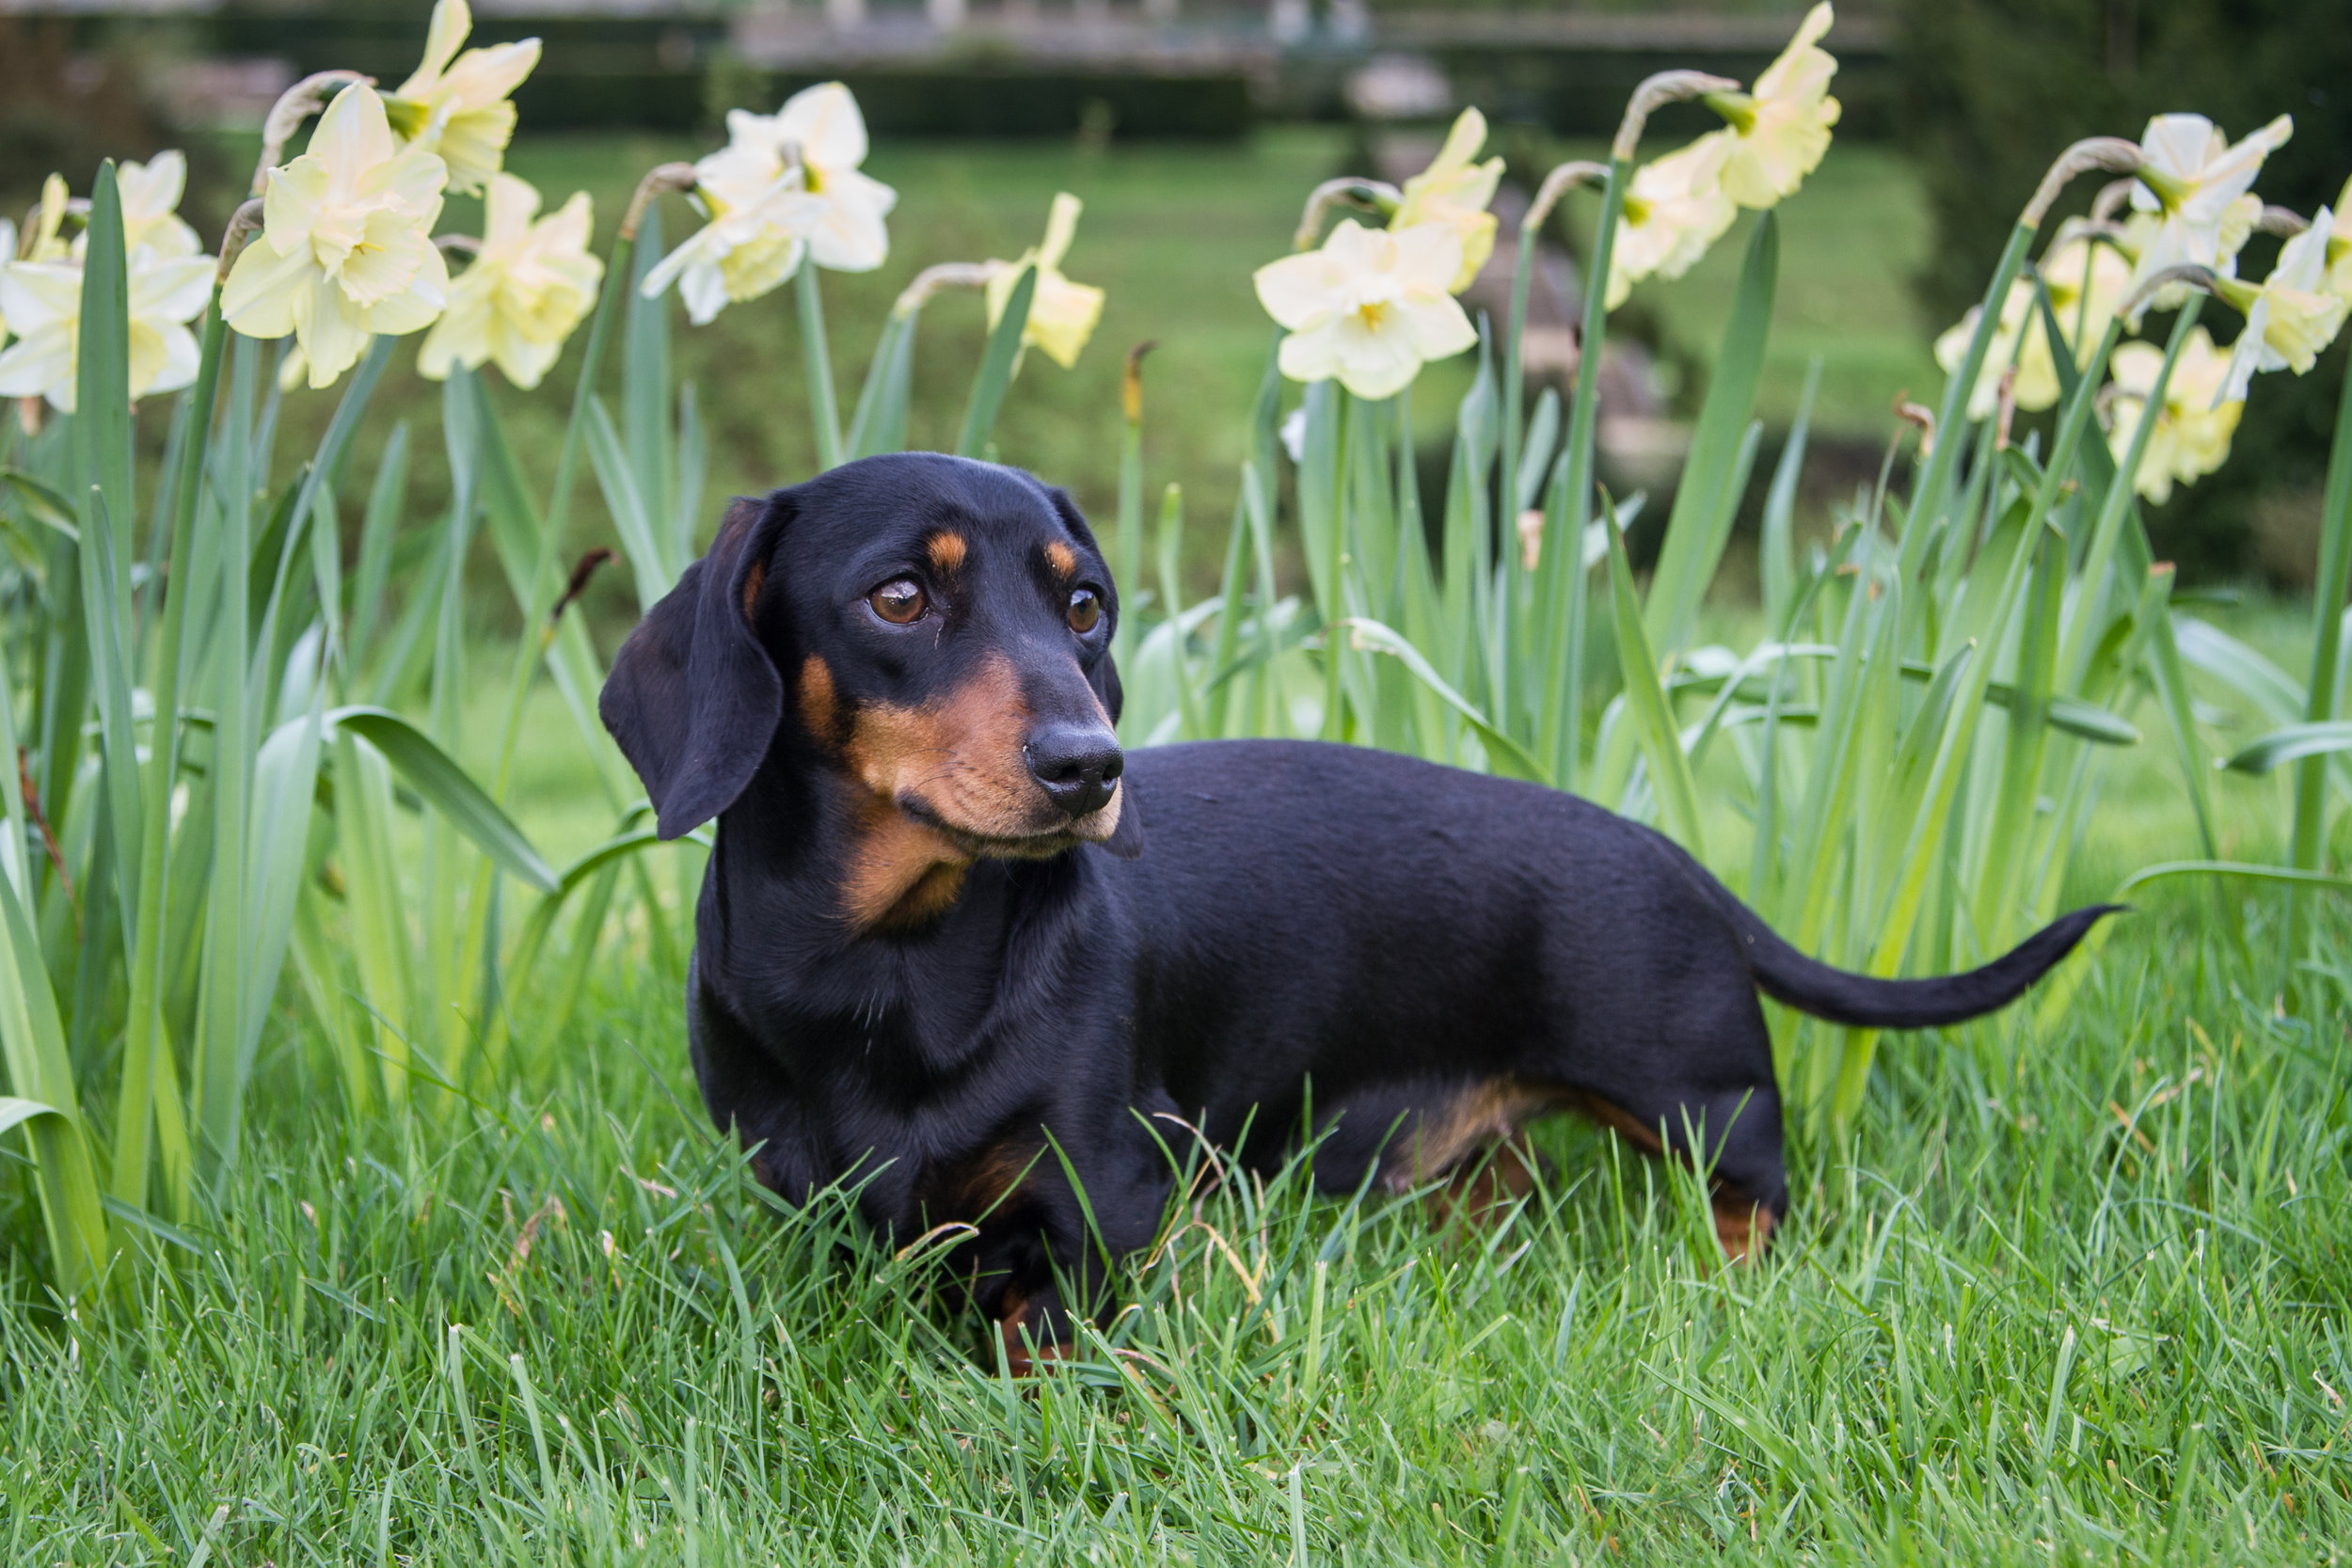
[1647, 709]
[1723, 444]
[996, 363]
[449, 790]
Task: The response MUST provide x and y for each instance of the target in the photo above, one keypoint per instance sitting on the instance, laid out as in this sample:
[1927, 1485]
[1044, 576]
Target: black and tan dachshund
[953, 944]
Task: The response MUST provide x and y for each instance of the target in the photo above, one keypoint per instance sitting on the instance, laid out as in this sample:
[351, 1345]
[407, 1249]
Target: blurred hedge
[1994, 89]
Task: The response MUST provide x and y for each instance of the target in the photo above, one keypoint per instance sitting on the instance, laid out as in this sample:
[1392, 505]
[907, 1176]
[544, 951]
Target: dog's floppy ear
[1103, 677]
[693, 698]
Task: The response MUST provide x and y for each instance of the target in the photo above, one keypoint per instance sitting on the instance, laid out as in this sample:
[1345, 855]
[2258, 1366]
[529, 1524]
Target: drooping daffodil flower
[2196, 182]
[2340, 245]
[1370, 306]
[2191, 437]
[458, 105]
[1675, 208]
[1780, 127]
[751, 245]
[2292, 316]
[2087, 280]
[823, 128]
[43, 303]
[346, 250]
[522, 294]
[1061, 313]
[1455, 190]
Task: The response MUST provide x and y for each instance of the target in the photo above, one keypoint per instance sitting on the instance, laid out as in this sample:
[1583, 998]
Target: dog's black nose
[1078, 764]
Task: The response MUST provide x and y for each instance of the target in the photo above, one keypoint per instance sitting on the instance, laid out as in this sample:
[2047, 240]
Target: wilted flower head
[43, 303]
[457, 105]
[1455, 191]
[344, 252]
[1368, 308]
[2191, 437]
[2292, 316]
[843, 223]
[517, 300]
[2197, 182]
[1780, 127]
[1675, 208]
[1061, 313]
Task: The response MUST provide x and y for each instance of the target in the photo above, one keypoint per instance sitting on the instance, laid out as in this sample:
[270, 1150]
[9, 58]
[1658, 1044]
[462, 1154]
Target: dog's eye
[900, 602]
[1086, 610]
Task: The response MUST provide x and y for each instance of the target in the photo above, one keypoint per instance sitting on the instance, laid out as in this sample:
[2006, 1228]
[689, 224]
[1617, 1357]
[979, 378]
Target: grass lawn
[2078, 1290]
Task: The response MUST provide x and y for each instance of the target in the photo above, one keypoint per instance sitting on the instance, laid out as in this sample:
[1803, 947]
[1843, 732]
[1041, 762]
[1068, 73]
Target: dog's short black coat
[947, 950]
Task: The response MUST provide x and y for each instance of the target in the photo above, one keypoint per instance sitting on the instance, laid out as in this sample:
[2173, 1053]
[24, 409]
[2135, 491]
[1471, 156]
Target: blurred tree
[1996, 88]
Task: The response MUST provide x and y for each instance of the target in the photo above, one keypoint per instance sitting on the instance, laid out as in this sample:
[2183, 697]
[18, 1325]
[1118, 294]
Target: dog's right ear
[693, 698]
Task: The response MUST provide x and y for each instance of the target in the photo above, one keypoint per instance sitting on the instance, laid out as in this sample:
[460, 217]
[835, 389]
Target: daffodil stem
[1563, 716]
[2076, 649]
[532, 648]
[822, 407]
[142, 1111]
[1931, 492]
[2335, 581]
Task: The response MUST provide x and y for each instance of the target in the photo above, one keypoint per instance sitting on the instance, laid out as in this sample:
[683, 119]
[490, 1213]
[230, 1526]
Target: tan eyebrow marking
[947, 550]
[753, 581]
[1063, 558]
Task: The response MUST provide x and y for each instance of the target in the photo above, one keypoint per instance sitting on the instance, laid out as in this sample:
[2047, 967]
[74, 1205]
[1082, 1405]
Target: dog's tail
[1812, 986]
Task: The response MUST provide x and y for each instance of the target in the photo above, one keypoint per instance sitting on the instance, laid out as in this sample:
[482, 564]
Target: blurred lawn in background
[1173, 233]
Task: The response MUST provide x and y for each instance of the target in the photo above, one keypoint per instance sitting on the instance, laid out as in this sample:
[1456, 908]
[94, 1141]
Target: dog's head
[936, 630]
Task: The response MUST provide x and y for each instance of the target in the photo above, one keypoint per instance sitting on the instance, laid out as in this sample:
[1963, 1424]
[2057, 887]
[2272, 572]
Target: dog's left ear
[1103, 677]
[693, 698]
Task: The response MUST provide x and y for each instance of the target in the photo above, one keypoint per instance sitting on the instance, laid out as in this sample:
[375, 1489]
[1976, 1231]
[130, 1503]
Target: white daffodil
[2292, 316]
[43, 302]
[346, 250]
[2191, 437]
[821, 126]
[2196, 182]
[2087, 281]
[150, 194]
[1455, 191]
[1370, 306]
[1061, 313]
[751, 245]
[457, 105]
[1675, 208]
[1781, 128]
[522, 294]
